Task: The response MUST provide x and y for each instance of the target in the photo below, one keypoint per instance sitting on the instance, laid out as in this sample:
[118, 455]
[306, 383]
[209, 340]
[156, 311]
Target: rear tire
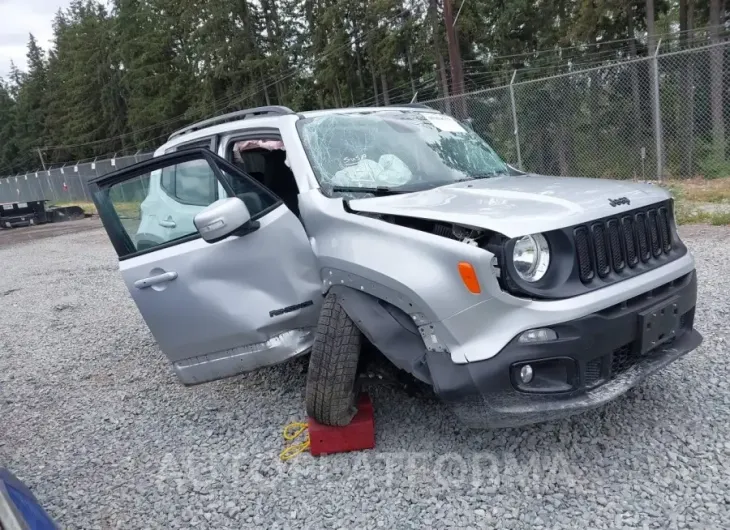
[333, 366]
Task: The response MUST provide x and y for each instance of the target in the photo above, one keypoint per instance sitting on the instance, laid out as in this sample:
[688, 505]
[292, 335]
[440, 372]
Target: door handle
[155, 280]
[167, 223]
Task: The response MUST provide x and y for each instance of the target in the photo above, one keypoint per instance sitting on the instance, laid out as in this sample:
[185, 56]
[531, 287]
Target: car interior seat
[280, 180]
[270, 169]
[252, 201]
[252, 163]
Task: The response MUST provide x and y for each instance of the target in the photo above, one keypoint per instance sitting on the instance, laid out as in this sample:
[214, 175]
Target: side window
[206, 143]
[264, 158]
[191, 183]
[142, 216]
[257, 198]
[149, 221]
[168, 181]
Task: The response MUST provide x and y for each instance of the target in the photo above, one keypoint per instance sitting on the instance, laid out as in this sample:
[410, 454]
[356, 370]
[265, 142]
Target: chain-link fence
[62, 184]
[665, 116]
[695, 103]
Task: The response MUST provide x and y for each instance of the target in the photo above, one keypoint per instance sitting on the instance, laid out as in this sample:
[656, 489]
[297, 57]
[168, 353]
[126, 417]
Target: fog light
[526, 373]
[537, 335]
[544, 376]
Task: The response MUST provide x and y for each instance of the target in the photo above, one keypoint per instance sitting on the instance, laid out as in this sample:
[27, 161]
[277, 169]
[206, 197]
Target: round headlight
[531, 257]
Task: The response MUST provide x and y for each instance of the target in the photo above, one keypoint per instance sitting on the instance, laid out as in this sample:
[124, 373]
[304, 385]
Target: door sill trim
[235, 361]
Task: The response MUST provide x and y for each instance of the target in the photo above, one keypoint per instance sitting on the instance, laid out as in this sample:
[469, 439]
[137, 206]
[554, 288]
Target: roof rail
[274, 110]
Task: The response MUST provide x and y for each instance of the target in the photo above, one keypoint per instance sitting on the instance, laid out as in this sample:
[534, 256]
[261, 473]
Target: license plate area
[659, 324]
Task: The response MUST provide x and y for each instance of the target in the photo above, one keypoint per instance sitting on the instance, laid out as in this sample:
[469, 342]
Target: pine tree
[30, 109]
[9, 151]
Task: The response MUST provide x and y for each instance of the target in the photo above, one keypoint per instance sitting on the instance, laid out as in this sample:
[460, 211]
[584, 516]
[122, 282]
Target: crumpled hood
[517, 205]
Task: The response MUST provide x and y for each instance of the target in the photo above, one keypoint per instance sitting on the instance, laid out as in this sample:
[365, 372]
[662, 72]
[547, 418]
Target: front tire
[333, 366]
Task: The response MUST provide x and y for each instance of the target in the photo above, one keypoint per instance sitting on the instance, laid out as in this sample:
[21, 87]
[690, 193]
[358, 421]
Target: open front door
[216, 309]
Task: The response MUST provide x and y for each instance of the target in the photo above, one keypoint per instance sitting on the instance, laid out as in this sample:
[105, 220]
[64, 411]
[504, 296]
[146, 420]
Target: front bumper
[595, 359]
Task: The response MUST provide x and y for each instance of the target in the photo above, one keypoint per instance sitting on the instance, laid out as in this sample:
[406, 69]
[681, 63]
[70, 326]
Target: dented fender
[388, 328]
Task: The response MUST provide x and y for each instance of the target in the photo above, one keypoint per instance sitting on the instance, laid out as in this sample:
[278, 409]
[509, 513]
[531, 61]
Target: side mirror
[222, 218]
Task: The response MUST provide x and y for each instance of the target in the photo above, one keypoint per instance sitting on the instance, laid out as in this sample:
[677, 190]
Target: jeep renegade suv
[258, 236]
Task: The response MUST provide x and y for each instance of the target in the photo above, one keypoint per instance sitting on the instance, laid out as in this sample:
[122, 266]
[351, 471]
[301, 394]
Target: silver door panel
[278, 349]
[244, 295]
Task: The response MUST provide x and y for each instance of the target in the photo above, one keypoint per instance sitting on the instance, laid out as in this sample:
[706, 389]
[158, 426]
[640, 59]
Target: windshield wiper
[380, 191]
[493, 174]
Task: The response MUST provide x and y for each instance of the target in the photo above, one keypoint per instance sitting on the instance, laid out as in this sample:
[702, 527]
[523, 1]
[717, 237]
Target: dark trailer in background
[14, 214]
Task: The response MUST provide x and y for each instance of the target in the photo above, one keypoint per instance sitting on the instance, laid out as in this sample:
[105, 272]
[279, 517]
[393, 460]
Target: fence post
[81, 181]
[514, 119]
[66, 187]
[31, 194]
[144, 182]
[53, 190]
[38, 181]
[657, 114]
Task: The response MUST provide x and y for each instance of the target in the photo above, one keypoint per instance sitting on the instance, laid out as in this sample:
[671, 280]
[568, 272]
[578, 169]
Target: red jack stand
[359, 434]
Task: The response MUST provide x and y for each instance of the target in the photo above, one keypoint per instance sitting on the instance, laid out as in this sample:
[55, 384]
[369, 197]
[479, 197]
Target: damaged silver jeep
[258, 236]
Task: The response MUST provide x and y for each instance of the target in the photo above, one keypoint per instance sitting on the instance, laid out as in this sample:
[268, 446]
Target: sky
[18, 18]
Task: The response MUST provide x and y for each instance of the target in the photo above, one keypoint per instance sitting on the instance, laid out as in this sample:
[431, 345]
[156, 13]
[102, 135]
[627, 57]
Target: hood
[518, 205]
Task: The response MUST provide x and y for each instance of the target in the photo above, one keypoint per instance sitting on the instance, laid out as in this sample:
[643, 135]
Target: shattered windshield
[395, 150]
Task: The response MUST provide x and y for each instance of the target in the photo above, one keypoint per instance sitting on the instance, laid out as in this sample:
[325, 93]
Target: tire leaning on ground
[332, 376]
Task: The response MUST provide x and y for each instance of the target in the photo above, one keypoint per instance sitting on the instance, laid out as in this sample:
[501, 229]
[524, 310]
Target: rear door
[217, 309]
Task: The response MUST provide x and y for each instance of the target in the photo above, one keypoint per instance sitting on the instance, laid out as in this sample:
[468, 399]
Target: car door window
[149, 219]
[158, 207]
[126, 198]
[257, 198]
[192, 183]
[204, 143]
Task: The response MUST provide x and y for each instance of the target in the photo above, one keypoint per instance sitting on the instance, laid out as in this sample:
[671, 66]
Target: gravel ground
[92, 418]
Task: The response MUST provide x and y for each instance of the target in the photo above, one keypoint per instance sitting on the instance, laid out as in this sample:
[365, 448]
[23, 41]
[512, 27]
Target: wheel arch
[388, 327]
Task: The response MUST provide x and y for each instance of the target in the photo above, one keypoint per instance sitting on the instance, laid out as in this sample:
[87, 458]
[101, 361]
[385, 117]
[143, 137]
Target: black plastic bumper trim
[606, 347]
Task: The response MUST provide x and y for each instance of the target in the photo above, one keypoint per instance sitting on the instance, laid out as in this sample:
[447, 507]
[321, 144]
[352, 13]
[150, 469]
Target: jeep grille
[620, 242]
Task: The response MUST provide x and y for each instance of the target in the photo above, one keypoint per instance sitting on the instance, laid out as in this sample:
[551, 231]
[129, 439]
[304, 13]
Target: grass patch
[688, 214]
[128, 210]
[124, 209]
[701, 190]
[720, 218]
[701, 201]
[695, 217]
[87, 207]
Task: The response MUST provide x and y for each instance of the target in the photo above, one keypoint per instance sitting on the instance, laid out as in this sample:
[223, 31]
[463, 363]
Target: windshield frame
[325, 187]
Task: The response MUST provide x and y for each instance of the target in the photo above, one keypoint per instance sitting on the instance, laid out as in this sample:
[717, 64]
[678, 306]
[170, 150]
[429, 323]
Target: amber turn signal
[469, 277]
